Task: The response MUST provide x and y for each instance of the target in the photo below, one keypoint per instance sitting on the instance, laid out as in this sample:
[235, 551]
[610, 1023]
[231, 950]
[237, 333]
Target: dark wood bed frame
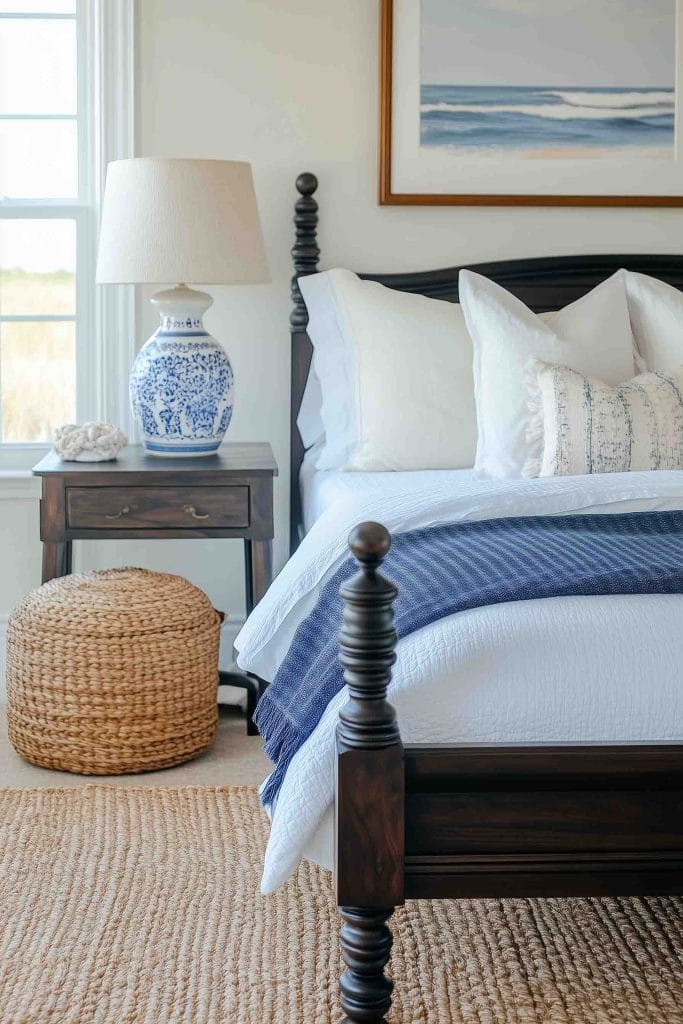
[471, 820]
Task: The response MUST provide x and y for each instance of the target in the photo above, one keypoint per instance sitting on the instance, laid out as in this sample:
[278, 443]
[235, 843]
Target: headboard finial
[305, 251]
[306, 183]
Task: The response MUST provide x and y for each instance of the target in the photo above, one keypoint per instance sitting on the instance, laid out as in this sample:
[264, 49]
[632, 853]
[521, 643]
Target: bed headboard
[544, 283]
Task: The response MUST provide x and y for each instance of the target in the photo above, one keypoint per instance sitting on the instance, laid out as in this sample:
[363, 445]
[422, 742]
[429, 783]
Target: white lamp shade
[171, 221]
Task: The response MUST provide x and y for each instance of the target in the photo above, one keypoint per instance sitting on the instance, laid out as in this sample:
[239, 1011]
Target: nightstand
[139, 497]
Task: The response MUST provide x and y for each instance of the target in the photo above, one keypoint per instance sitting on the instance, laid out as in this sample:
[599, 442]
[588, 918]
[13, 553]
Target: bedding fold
[455, 567]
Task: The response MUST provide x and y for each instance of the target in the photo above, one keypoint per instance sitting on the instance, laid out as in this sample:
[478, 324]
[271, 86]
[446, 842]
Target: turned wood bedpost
[370, 832]
[305, 254]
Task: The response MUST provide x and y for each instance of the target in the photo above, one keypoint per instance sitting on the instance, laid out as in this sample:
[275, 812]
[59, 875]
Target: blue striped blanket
[447, 569]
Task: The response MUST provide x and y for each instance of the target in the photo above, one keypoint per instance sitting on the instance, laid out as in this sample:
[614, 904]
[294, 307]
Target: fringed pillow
[587, 426]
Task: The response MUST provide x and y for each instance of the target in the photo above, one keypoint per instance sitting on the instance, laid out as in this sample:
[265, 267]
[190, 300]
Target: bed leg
[370, 790]
[366, 942]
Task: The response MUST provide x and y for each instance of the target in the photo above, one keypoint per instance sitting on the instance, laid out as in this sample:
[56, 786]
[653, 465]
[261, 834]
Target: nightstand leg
[258, 570]
[248, 578]
[56, 559]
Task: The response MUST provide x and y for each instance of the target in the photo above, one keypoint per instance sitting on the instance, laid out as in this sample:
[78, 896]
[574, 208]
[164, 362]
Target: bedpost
[305, 253]
[370, 783]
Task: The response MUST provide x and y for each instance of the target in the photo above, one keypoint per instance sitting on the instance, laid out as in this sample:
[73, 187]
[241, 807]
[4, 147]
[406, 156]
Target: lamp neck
[181, 309]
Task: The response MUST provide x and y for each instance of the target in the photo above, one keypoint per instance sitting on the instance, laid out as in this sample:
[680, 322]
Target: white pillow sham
[592, 335]
[395, 371]
[589, 427]
[656, 311]
[309, 420]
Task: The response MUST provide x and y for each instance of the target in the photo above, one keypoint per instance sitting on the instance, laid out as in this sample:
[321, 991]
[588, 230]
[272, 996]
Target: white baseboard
[229, 630]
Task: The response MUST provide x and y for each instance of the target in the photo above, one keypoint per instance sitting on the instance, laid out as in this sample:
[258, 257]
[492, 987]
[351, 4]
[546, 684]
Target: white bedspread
[581, 668]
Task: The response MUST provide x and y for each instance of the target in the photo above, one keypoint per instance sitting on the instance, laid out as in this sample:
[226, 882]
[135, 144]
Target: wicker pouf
[112, 672]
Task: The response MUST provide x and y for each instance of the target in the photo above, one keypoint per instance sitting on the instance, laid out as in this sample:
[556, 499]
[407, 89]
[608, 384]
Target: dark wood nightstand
[139, 497]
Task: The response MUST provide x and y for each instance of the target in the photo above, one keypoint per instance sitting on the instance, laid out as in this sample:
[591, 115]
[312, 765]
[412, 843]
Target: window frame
[104, 116]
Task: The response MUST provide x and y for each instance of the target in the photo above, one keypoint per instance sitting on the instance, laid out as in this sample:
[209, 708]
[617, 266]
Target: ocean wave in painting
[546, 121]
[626, 98]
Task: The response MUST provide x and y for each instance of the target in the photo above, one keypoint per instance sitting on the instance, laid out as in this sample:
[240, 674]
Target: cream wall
[292, 85]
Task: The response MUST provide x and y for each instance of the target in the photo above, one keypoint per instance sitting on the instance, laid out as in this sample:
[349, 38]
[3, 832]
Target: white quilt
[569, 668]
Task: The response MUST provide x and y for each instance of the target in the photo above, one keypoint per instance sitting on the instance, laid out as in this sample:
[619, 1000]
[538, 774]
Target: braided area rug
[141, 906]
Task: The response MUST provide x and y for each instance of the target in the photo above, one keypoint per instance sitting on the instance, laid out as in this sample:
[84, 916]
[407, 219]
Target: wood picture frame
[389, 197]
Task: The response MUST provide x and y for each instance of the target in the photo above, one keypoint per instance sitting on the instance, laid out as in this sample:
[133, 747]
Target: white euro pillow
[592, 336]
[395, 372]
[656, 311]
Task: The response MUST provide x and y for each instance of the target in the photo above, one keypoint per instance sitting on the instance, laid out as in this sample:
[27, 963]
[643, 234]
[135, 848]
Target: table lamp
[179, 221]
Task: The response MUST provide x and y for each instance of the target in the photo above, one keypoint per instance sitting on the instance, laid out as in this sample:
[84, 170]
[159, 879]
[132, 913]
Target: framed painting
[530, 103]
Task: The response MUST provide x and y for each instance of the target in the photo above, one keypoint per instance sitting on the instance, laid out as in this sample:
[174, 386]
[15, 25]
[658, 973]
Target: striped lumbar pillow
[587, 426]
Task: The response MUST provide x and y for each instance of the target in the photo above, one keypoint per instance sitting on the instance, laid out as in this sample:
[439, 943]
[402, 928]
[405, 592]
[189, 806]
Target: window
[54, 145]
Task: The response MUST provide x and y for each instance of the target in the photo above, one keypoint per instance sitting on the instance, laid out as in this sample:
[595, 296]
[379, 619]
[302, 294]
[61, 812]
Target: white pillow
[656, 311]
[395, 371]
[592, 336]
[309, 420]
[332, 368]
[589, 427]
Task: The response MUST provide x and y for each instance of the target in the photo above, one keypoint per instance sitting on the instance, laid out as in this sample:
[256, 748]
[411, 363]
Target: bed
[559, 814]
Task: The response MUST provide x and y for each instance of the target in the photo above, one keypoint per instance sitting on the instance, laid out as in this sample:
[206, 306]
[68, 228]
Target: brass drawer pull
[117, 515]
[192, 511]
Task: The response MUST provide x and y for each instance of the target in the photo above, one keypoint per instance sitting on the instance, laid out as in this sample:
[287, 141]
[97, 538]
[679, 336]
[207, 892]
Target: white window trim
[115, 343]
[105, 316]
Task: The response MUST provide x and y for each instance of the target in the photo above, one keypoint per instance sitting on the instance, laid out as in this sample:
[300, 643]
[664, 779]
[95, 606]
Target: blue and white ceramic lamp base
[182, 384]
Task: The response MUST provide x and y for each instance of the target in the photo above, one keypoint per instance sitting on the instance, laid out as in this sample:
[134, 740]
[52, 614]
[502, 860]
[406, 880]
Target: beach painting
[548, 79]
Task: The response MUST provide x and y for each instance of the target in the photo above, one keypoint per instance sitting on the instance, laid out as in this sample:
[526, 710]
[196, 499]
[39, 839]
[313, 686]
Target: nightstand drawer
[126, 508]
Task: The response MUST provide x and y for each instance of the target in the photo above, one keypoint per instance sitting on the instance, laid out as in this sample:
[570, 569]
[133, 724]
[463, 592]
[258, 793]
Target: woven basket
[112, 672]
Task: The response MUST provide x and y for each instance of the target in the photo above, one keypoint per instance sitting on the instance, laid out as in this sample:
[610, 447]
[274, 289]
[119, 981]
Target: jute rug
[124, 906]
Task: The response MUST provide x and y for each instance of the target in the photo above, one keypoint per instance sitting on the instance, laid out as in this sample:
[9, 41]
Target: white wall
[292, 85]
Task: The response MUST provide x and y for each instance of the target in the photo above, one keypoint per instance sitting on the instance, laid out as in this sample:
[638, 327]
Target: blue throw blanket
[447, 569]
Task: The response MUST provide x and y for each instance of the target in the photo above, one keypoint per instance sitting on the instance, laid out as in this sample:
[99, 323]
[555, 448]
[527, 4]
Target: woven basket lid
[115, 602]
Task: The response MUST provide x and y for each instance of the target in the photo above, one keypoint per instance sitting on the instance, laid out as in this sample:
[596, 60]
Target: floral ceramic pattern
[181, 390]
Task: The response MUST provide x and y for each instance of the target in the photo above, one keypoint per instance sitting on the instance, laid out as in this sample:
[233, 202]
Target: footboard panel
[475, 821]
[561, 820]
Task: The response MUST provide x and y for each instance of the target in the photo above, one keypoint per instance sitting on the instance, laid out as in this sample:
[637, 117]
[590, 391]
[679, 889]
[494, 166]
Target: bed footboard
[478, 820]
[562, 820]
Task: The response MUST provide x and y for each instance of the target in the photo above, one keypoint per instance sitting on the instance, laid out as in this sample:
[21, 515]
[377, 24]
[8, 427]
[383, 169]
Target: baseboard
[229, 631]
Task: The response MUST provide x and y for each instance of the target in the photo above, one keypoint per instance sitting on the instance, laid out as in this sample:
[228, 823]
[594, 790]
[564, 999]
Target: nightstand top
[239, 457]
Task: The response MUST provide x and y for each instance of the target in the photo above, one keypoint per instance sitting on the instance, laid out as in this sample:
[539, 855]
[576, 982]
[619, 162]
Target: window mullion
[39, 318]
[39, 209]
[37, 16]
